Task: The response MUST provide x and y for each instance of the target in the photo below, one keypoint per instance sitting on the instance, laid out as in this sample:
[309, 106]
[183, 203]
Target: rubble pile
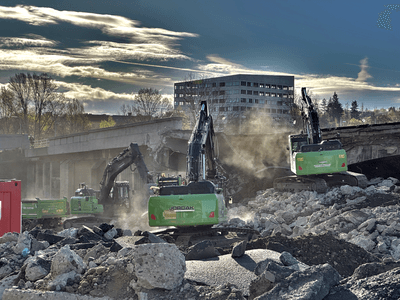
[344, 244]
[368, 218]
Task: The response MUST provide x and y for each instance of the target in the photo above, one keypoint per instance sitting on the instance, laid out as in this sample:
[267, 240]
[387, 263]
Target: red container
[10, 206]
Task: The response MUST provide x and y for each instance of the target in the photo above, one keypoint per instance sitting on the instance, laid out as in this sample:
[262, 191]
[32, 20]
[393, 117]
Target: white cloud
[120, 51]
[320, 85]
[363, 74]
[109, 24]
[38, 41]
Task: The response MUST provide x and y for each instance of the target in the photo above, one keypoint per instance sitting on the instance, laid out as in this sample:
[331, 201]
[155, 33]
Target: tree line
[32, 104]
[333, 114]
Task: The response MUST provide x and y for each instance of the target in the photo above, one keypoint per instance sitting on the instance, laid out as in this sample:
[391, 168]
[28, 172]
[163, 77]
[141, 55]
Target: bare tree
[7, 111]
[75, 119]
[45, 97]
[19, 85]
[149, 102]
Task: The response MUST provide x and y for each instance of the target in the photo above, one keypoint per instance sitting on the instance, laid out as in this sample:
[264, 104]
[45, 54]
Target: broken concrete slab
[313, 283]
[202, 250]
[159, 265]
[238, 271]
[239, 249]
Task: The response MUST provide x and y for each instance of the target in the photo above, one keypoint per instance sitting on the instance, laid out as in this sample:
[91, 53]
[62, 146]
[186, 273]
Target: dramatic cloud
[35, 53]
[33, 41]
[323, 86]
[109, 24]
[363, 75]
[120, 51]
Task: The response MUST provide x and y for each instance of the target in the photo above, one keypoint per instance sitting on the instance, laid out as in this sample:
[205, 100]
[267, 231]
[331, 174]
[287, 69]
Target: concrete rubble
[343, 244]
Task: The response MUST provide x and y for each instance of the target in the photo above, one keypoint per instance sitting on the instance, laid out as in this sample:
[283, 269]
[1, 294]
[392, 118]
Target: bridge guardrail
[41, 143]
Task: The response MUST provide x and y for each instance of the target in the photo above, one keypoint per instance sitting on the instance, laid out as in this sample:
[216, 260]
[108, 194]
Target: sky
[102, 52]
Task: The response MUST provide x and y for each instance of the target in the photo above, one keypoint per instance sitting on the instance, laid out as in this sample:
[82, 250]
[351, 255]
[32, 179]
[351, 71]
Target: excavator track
[300, 183]
[183, 235]
[319, 183]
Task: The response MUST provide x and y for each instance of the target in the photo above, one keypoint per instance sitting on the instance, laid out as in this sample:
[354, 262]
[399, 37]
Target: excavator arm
[201, 148]
[129, 156]
[310, 119]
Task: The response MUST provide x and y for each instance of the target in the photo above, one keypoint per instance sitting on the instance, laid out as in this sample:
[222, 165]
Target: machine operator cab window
[297, 142]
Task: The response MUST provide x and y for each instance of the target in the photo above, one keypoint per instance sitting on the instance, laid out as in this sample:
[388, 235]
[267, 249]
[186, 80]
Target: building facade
[235, 96]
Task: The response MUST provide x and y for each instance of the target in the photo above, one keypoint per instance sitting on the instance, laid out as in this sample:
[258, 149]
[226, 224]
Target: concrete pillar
[46, 180]
[66, 179]
[39, 180]
[55, 179]
[30, 191]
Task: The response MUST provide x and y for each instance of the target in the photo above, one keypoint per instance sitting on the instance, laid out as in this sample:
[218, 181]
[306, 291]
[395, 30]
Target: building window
[255, 93]
[285, 95]
[243, 83]
[273, 111]
[267, 86]
[285, 112]
[273, 86]
[235, 83]
[261, 85]
[222, 109]
[290, 88]
[249, 84]
[243, 100]
[273, 95]
[236, 108]
[249, 92]
[221, 100]
[255, 100]
[242, 108]
[250, 100]
[279, 95]
[243, 92]
[222, 84]
[285, 88]
[279, 103]
[222, 92]
[262, 94]
[181, 95]
[214, 84]
[255, 84]
[279, 87]
[267, 110]
[268, 94]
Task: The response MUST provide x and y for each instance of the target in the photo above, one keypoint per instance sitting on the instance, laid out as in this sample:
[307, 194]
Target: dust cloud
[259, 145]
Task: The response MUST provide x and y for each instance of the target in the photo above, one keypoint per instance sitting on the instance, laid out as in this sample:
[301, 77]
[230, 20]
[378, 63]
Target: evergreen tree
[354, 112]
[334, 108]
[323, 106]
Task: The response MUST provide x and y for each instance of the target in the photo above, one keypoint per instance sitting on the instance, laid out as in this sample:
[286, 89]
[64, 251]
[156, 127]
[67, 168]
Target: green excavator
[316, 163]
[197, 200]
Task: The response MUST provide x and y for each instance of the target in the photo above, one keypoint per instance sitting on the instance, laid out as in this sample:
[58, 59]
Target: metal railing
[41, 143]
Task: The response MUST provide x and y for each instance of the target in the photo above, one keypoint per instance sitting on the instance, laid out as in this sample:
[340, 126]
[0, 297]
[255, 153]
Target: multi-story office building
[232, 97]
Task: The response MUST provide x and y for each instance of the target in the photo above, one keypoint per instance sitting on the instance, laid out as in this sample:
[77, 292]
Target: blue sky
[102, 52]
